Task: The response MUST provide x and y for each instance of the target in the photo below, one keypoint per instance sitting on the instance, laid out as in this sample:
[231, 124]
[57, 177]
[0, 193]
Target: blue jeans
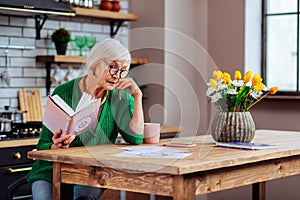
[82, 192]
[42, 190]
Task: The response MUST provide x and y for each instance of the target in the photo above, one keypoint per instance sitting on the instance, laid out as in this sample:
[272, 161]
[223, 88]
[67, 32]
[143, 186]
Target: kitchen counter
[18, 142]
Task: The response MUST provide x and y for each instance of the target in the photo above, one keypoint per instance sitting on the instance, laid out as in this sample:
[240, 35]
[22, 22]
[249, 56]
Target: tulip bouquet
[237, 95]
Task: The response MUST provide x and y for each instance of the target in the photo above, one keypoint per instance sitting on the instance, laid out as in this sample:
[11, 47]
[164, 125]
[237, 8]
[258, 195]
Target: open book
[59, 115]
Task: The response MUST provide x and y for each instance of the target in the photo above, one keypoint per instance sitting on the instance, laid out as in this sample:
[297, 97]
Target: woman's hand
[129, 85]
[61, 142]
[137, 120]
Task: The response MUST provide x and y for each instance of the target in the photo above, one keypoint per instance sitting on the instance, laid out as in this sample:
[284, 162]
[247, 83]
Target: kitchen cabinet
[14, 167]
[48, 60]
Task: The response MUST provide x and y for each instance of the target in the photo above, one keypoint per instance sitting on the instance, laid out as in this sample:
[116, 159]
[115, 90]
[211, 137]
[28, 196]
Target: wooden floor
[115, 195]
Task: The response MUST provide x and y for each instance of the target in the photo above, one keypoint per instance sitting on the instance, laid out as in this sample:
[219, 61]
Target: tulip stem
[251, 105]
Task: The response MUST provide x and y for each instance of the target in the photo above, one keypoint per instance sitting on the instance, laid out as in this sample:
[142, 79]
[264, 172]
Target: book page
[85, 100]
[62, 104]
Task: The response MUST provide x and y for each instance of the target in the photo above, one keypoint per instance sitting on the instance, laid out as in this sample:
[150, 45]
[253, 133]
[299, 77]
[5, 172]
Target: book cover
[246, 145]
[59, 115]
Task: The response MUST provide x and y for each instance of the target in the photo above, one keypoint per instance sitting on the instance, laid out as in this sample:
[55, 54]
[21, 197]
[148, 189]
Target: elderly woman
[107, 78]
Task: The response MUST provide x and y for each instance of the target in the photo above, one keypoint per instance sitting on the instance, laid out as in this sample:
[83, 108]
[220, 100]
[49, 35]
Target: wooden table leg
[259, 191]
[56, 181]
[184, 188]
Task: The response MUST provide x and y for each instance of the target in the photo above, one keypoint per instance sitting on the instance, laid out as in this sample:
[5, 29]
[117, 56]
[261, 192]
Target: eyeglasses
[113, 70]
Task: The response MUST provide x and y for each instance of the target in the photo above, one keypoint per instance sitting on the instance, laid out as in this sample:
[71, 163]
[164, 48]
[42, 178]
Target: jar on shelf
[105, 5]
[116, 7]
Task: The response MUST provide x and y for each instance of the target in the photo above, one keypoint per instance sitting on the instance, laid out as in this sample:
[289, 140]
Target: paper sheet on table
[153, 152]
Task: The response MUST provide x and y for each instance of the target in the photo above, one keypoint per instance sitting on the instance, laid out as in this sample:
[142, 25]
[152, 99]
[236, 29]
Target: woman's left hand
[129, 85]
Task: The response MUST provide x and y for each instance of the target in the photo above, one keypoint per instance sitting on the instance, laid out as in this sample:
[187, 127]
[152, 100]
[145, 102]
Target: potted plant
[233, 99]
[61, 37]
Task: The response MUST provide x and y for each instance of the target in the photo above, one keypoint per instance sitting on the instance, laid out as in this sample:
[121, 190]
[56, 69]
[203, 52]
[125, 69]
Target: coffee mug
[58, 76]
[151, 133]
[71, 74]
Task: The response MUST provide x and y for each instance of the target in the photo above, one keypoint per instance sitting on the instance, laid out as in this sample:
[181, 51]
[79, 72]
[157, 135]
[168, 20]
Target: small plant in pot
[61, 37]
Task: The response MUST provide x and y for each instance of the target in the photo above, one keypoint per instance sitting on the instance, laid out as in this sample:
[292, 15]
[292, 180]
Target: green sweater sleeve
[123, 112]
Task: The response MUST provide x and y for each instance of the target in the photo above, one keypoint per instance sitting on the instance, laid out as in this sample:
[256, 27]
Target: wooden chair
[31, 102]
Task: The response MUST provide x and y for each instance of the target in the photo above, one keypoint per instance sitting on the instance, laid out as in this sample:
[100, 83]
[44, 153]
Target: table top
[205, 156]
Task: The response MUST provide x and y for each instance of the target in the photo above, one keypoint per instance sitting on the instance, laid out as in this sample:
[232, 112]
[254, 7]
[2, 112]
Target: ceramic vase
[116, 7]
[106, 5]
[61, 48]
[233, 127]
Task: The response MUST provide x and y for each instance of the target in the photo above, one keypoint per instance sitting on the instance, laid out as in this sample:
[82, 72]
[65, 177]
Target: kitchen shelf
[49, 59]
[93, 12]
[78, 59]
[115, 18]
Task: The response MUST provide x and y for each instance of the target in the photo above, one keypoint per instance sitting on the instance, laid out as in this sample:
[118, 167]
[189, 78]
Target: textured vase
[233, 127]
[61, 48]
[116, 7]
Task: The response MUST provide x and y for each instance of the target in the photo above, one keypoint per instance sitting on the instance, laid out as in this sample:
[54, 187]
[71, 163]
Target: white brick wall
[24, 72]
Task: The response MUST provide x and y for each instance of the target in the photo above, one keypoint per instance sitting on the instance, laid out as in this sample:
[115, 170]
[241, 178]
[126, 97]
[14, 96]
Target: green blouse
[115, 118]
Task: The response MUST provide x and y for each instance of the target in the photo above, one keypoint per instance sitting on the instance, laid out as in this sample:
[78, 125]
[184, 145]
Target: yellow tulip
[216, 75]
[273, 90]
[213, 83]
[259, 87]
[221, 74]
[227, 78]
[247, 77]
[237, 75]
[256, 80]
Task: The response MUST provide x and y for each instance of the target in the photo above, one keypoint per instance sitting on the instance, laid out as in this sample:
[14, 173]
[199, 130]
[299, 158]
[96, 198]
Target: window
[280, 51]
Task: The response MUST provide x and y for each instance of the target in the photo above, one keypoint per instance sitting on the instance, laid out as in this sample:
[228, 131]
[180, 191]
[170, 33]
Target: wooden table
[208, 169]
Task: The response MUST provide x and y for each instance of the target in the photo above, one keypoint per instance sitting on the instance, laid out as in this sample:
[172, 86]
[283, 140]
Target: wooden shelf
[61, 59]
[115, 18]
[78, 59]
[49, 59]
[93, 12]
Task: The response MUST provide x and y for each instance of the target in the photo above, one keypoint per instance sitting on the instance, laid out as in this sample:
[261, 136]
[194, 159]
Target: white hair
[109, 49]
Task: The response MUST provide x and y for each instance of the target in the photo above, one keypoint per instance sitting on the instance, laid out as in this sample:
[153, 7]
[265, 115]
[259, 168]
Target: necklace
[85, 89]
[104, 98]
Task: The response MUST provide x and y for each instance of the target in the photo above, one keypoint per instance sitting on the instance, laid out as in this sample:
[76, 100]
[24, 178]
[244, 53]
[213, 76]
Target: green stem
[251, 105]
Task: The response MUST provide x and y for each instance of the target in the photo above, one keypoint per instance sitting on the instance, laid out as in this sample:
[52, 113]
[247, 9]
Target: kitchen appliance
[38, 7]
[12, 114]
[5, 125]
[22, 130]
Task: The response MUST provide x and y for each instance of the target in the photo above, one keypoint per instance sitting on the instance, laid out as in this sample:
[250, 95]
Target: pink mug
[151, 133]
